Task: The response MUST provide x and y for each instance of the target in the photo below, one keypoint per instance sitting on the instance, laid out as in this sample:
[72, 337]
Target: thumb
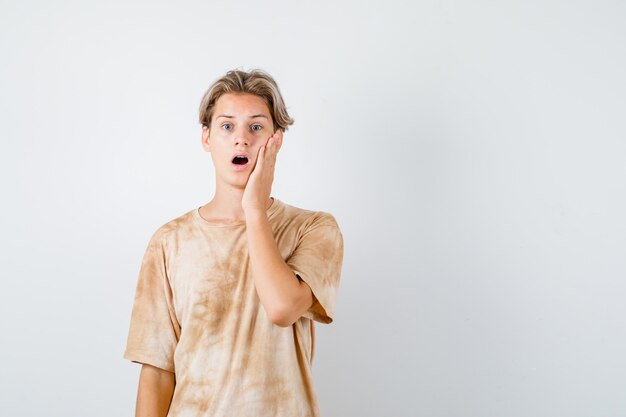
[260, 156]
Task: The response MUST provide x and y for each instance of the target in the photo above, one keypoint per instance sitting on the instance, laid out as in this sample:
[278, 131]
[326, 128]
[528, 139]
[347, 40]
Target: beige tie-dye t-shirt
[196, 313]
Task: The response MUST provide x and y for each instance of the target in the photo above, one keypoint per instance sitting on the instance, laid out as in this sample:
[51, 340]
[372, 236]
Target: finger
[277, 140]
[273, 151]
[280, 138]
[271, 145]
[270, 139]
[260, 157]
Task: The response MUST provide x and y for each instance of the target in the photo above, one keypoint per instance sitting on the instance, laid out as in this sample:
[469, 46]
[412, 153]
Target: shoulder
[306, 218]
[172, 229]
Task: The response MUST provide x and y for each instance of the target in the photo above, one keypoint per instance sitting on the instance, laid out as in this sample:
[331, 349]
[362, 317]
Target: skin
[240, 196]
[245, 196]
[154, 395]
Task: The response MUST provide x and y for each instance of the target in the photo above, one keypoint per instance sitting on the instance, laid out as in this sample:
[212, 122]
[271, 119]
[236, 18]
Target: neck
[226, 205]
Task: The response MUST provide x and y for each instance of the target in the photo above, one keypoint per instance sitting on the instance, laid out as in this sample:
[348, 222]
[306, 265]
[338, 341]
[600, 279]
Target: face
[240, 125]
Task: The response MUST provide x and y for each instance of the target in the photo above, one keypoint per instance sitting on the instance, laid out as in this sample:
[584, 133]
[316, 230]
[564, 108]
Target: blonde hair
[256, 82]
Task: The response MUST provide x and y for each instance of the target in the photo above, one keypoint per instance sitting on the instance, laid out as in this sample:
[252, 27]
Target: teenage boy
[227, 294]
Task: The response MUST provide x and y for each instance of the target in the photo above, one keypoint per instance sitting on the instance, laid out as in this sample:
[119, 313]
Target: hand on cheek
[259, 185]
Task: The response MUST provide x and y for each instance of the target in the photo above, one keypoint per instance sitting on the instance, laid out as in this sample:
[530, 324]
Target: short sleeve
[317, 260]
[154, 328]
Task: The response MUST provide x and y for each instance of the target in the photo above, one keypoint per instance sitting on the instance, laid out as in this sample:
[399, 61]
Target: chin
[234, 179]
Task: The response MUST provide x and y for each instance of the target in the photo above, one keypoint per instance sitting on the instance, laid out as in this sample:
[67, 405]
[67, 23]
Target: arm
[282, 294]
[156, 387]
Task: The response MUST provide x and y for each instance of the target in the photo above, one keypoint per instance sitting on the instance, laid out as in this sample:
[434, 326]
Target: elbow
[281, 318]
[283, 323]
[287, 312]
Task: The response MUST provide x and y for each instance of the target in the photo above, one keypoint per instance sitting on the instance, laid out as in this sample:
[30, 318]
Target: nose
[242, 136]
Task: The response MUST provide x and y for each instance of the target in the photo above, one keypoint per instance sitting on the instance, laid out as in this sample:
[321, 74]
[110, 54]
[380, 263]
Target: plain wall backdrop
[473, 154]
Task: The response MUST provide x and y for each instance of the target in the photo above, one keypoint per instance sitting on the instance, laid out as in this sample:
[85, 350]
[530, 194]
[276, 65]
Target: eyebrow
[252, 117]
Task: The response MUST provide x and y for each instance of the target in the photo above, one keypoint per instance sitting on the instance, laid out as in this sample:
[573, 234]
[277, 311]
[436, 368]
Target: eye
[225, 125]
[259, 127]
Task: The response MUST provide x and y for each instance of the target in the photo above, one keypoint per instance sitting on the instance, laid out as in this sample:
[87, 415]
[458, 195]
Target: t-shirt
[196, 313]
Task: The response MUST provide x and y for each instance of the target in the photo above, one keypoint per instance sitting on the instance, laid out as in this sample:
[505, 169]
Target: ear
[206, 143]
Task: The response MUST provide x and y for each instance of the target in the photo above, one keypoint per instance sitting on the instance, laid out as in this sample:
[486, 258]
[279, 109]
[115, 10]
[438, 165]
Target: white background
[473, 154]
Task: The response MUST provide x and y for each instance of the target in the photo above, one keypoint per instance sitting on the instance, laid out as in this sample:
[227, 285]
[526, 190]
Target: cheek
[217, 143]
[221, 153]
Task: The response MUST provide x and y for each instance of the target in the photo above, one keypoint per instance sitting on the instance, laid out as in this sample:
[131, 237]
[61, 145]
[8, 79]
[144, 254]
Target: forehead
[242, 105]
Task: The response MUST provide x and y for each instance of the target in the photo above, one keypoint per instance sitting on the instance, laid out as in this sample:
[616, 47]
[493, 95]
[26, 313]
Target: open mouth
[240, 163]
[240, 160]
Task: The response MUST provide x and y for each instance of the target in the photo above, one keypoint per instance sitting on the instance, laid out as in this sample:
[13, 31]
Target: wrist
[255, 214]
